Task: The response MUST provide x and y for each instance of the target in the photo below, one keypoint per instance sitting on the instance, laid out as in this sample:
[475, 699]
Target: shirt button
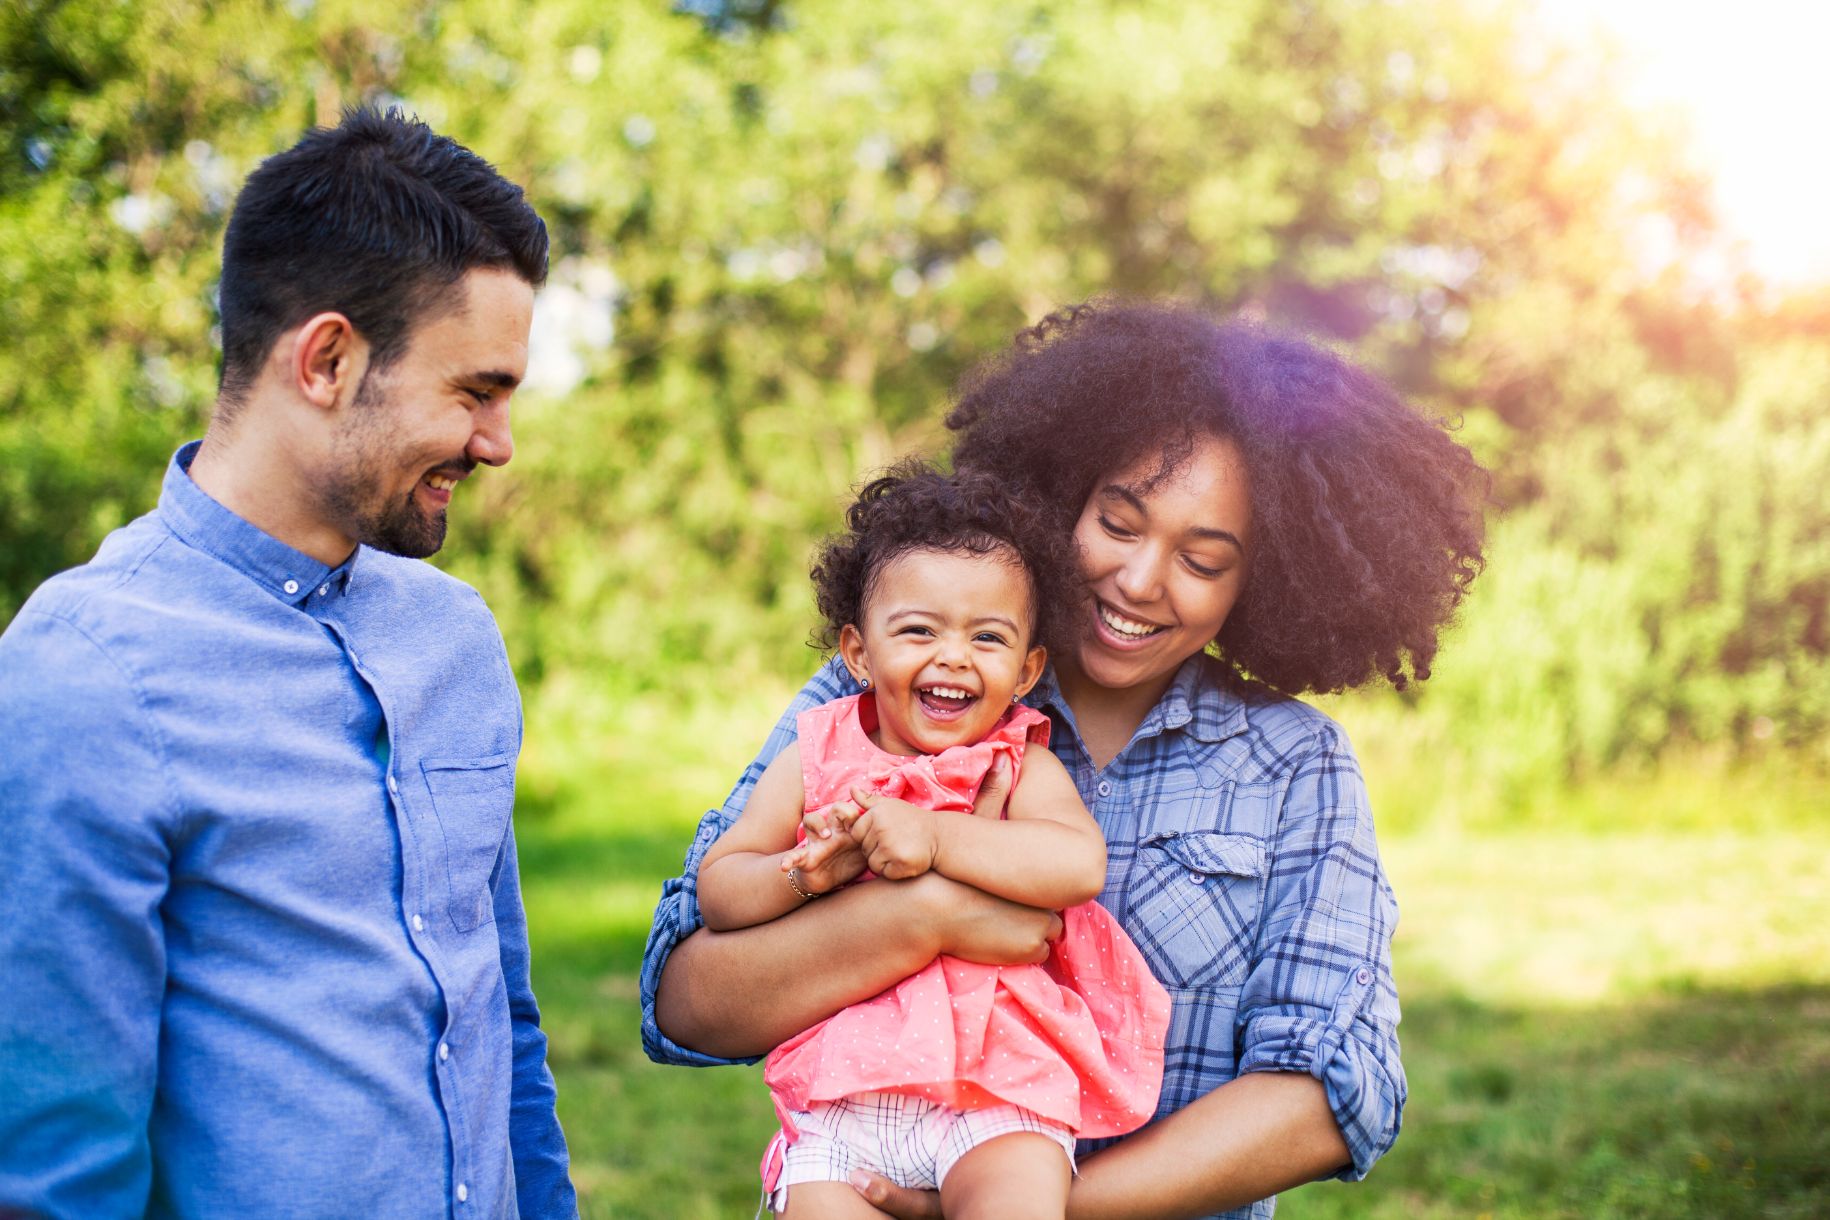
[323, 589]
[1198, 878]
[1105, 789]
[419, 925]
[463, 1192]
[1362, 976]
[444, 1051]
[393, 786]
[291, 586]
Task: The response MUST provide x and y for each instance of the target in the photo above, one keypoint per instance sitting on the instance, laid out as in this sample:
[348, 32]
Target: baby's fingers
[844, 814]
[797, 857]
[817, 824]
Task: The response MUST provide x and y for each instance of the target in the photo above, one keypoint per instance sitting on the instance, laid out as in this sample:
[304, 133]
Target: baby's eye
[914, 630]
[990, 637]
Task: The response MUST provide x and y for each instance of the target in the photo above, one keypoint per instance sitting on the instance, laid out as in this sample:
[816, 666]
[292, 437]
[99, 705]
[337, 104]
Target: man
[261, 928]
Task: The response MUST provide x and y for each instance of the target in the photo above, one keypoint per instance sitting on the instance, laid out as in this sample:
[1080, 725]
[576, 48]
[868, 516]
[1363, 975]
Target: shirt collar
[1197, 702]
[191, 514]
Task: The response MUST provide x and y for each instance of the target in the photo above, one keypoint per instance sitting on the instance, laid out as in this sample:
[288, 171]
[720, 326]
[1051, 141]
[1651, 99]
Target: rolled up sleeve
[677, 915]
[1320, 997]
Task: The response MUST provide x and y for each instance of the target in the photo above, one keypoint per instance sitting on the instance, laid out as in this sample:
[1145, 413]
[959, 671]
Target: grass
[1597, 1023]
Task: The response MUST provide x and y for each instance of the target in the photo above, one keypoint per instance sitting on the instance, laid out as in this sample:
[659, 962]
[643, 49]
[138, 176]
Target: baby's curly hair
[1366, 515]
[913, 506]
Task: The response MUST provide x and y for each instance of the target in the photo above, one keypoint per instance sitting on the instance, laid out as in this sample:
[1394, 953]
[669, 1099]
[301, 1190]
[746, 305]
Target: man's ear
[328, 360]
[851, 651]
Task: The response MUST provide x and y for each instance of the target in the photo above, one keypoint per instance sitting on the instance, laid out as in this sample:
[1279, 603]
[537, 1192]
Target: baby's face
[945, 642]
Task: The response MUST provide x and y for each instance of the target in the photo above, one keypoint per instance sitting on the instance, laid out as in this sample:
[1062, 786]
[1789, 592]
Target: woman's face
[1165, 564]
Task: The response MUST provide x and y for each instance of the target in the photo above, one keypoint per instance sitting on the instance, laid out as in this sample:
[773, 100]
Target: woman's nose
[1140, 578]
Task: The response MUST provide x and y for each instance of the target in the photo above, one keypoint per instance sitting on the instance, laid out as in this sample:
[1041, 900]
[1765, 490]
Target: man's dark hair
[375, 218]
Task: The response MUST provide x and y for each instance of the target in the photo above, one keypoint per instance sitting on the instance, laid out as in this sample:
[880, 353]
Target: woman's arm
[1048, 853]
[737, 994]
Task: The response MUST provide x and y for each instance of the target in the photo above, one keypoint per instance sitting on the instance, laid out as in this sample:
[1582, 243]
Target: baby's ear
[851, 651]
[1033, 663]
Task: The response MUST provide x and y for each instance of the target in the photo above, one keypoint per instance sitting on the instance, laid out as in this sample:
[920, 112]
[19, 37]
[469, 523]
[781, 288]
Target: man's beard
[399, 527]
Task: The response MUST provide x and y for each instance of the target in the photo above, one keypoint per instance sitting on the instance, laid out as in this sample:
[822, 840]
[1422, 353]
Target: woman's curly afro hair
[1366, 515]
[914, 507]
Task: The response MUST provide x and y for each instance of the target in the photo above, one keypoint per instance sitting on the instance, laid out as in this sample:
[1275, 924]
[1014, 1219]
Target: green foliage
[783, 230]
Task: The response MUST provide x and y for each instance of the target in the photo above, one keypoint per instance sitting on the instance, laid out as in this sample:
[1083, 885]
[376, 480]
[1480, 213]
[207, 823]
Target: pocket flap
[1213, 852]
[469, 774]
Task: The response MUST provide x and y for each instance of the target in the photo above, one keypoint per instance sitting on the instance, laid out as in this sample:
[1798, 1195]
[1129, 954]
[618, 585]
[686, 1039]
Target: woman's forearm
[1249, 1139]
[736, 994]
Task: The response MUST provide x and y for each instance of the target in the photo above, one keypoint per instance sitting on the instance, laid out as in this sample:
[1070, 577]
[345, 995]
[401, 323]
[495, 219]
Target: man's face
[418, 428]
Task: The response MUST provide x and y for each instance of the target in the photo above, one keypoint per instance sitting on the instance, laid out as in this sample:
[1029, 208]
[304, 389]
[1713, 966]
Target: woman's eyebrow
[1217, 535]
[1118, 491]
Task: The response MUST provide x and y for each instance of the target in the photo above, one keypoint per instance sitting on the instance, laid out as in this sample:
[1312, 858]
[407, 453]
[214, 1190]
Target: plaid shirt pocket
[1195, 900]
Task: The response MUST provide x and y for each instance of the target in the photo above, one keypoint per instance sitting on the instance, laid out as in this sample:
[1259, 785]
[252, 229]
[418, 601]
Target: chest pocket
[473, 799]
[1195, 905]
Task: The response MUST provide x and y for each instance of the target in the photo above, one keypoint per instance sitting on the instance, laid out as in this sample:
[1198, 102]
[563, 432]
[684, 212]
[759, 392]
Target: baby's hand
[824, 823]
[898, 839]
[829, 857]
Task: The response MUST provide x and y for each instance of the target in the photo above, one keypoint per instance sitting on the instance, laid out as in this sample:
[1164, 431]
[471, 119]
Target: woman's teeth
[1130, 628]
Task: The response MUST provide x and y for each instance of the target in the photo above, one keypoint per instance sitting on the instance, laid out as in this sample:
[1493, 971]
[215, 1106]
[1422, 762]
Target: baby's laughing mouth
[945, 702]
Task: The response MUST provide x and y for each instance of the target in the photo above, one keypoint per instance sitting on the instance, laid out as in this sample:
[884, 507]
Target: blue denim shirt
[261, 928]
[1240, 858]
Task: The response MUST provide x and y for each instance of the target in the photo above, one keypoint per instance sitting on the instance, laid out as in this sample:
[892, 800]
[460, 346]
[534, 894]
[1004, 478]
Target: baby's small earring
[864, 683]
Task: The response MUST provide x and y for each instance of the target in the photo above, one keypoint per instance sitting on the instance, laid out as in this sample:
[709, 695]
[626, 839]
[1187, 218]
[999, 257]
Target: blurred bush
[782, 230]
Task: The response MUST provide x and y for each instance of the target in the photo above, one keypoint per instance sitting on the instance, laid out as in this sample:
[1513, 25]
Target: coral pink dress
[1077, 1039]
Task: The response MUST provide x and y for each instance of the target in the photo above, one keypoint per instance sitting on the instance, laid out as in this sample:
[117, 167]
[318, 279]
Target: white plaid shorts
[909, 1140]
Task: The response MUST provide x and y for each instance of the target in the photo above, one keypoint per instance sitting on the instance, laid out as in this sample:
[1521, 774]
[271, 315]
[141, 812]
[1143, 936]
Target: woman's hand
[898, 1201]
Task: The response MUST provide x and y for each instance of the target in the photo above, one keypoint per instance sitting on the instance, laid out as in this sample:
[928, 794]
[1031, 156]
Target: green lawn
[1630, 1024]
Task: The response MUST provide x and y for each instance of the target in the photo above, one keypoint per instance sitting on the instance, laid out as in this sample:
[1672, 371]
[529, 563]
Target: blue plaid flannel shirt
[1241, 860]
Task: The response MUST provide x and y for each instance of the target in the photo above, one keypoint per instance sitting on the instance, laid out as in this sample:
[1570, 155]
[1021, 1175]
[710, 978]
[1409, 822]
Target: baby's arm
[1048, 852]
[742, 880]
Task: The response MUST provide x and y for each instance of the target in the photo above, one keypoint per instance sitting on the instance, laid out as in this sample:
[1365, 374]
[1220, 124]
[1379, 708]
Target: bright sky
[1752, 78]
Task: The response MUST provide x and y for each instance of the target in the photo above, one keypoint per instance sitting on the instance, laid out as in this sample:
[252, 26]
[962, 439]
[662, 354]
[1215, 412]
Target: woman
[1257, 519]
